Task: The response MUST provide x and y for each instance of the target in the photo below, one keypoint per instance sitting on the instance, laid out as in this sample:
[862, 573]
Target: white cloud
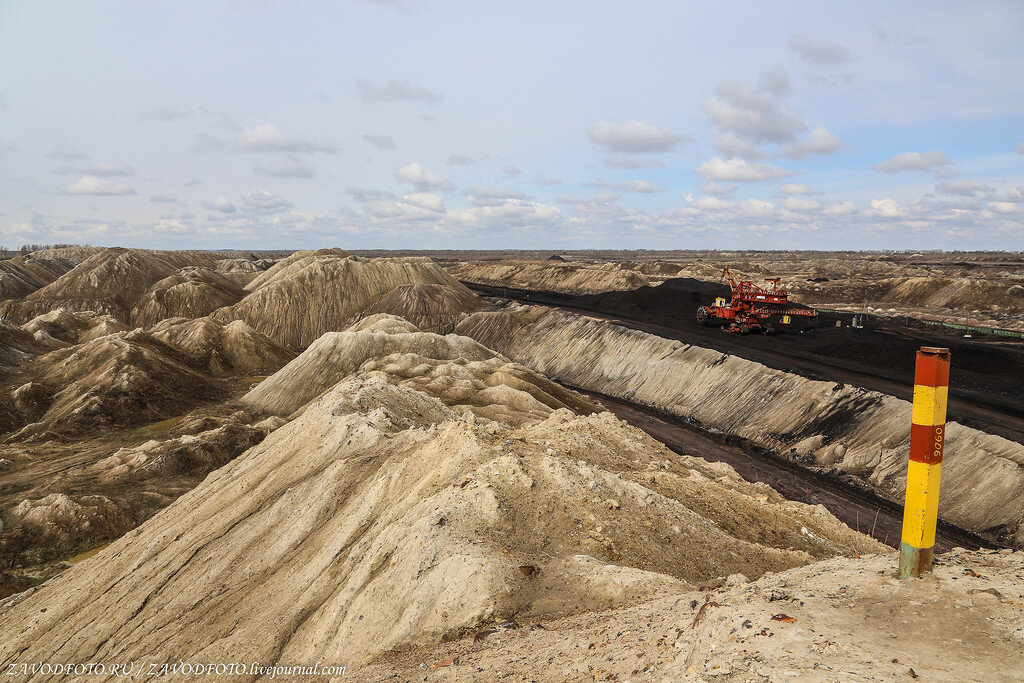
[460, 160]
[819, 52]
[1004, 208]
[884, 208]
[220, 204]
[818, 141]
[486, 196]
[511, 171]
[710, 204]
[285, 169]
[896, 35]
[162, 199]
[1020, 148]
[362, 194]
[89, 184]
[269, 138]
[394, 91]
[797, 204]
[380, 141]
[66, 152]
[628, 162]
[262, 201]
[204, 142]
[840, 209]
[730, 146]
[192, 182]
[422, 179]
[638, 186]
[752, 114]
[775, 80]
[964, 188]
[634, 137]
[718, 190]
[739, 170]
[791, 189]
[913, 161]
[109, 170]
[168, 112]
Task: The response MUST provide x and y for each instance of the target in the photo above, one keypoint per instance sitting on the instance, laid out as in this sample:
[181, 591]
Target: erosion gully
[853, 504]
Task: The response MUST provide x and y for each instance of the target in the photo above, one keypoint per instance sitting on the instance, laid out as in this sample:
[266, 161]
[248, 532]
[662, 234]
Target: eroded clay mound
[119, 379]
[223, 349]
[110, 281]
[457, 370]
[310, 293]
[189, 293]
[57, 524]
[380, 519]
[23, 275]
[62, 327]
[431, 308]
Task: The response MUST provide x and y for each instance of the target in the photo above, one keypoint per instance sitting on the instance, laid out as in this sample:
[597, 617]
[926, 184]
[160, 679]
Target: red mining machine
[751, 307]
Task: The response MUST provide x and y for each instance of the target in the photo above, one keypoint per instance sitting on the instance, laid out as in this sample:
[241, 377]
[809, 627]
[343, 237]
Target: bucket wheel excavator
[751, 308]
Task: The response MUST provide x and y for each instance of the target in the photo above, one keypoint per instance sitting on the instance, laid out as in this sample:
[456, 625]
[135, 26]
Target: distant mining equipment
[752, 308]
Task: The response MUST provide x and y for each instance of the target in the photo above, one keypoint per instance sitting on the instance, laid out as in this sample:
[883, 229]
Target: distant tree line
[24, 249]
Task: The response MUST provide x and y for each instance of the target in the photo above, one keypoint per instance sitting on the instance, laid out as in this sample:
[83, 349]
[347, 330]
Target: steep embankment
[310, 293]
[830, 425]
[381, 517]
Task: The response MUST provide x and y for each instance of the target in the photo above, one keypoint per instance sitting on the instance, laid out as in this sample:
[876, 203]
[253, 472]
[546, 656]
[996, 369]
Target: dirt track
[855, 506]
[985, 383]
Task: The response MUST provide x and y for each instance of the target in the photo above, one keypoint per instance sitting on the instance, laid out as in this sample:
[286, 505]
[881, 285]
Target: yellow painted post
[927, 435]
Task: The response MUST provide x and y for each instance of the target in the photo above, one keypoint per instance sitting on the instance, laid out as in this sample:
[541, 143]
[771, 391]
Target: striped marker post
[927, 435]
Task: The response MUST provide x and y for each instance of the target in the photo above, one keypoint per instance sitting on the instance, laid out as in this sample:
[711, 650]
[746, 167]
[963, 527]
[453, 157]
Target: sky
[422, 124]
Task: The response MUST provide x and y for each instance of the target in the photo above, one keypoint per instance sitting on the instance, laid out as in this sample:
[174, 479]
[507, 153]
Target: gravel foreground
[840, 619]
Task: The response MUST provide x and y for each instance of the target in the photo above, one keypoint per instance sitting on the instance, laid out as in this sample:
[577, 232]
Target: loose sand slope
[861, 432]
[382, 518]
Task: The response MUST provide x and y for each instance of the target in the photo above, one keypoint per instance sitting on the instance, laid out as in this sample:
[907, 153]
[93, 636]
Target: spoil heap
[25, 274]
[117, 380]
[431, 308]
[310, 293]
[110, 281]
[223, 349]
[382, 517]
[575, 277]
[830, 425]
[190, 293]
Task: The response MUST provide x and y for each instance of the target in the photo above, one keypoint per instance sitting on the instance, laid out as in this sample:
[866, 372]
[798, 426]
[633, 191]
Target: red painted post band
[932, 367]
[926, 443]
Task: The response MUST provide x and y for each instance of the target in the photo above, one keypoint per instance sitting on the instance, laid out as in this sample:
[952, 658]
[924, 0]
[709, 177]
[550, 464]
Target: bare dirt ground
[847, 619]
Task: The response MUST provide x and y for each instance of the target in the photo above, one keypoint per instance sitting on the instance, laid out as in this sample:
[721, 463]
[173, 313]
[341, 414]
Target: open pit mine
[344, 465]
